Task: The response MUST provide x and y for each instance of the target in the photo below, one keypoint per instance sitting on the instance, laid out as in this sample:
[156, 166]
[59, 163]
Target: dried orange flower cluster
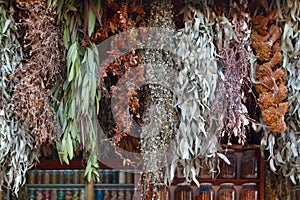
[271, 79]
[120, 22]
[40, 69]
[122, 63]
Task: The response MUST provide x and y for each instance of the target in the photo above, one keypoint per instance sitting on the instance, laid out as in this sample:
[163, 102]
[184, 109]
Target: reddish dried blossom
[125, 17]
[271, 80]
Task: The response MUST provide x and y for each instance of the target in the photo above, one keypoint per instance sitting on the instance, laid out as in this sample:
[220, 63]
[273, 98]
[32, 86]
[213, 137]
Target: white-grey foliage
[194, 93]
[17, 153]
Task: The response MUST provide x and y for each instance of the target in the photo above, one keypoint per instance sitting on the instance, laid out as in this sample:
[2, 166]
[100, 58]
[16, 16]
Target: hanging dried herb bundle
[17, 152]
[283, 148]
[78, 97]
[271, 80]
[194, 92]
[158, 127]
[39, 71]
[229, 115]
[123, 65]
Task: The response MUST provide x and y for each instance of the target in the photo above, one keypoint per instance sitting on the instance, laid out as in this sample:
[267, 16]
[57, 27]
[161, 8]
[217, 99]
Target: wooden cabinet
[238, 181]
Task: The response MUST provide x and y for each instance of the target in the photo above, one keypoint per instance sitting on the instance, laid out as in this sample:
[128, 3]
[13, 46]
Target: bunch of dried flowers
[39, 71]
[121, 74]
[283, 148]
[234, 88]
[271, 80]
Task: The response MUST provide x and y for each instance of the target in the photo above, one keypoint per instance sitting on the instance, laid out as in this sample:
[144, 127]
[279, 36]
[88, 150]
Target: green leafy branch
[78, 98]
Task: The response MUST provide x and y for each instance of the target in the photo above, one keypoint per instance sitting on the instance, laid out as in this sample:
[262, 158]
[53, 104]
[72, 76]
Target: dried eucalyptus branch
[17, 152]
[194, 93]
[78, 96]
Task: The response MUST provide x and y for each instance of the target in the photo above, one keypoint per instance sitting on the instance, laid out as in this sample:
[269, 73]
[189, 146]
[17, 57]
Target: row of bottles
[114, 194]
[55, 177]
[56, 194]
[109, 176]
[226, 191]
[79, 194]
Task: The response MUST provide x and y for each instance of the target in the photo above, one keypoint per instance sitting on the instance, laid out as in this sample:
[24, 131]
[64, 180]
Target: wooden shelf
[55, 164]
[56, 185]
[218, 181]
[238, 149]
[113, 185]
[79, 164]
[241, 148]
[78, 185]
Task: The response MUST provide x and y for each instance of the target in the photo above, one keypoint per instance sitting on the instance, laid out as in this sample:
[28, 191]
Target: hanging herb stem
[17, 149]
[78, 98]
[283, 147]
[234, 88]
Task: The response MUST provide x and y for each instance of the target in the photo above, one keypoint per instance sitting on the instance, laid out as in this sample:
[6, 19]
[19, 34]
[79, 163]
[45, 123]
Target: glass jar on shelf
[128, 194]
[61, 177]
[68, 194]
[60, 195]
[163, 192]
[122, 177]
[76, 177]
[46, 195]
[53, 176]
[115, 176]
[81, 177]
[205, 192]
[114, 194]
[249, 167]
[184, 192]
[68, 176]
[106, 195]
[228, 170]
[107, 175]
[39, 194]
[31, 176]
[39, 177]
[121, 195]
[31, 194]
[82, 194]
[99, 195]
[76, 195]
[226, 192]
[249, 192]
[53, 194]
[129, 177]
[46, 177]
